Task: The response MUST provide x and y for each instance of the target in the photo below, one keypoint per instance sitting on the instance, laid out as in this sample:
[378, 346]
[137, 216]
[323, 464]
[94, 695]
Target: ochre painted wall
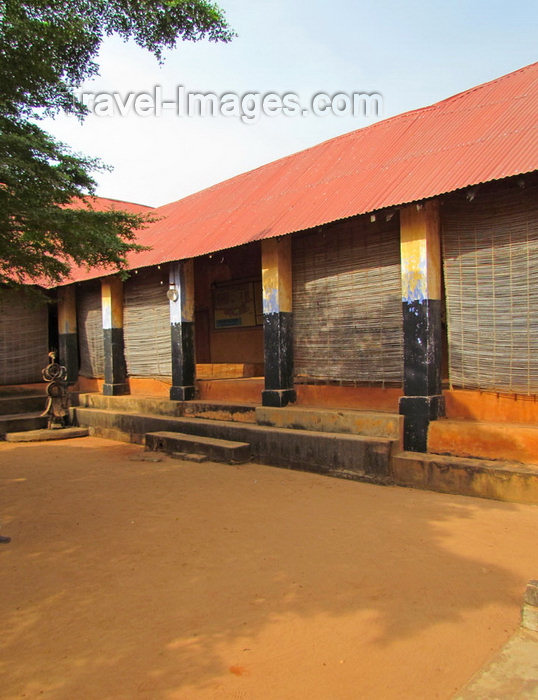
[491, 406]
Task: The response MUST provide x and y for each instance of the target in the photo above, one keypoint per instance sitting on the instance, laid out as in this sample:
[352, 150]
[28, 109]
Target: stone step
[496, 479]
[38, 389]
[217, 410]
[46, 434]
[515, 442]
[25, 403]
[128, 404]
[19, 422]
[360, 457]
[370, 423]
[215, 449]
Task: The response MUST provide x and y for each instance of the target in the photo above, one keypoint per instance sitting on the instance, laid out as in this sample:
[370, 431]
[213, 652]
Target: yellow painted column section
[67, 331]
[420, 246]
[112, 302]
[276, 275]
[67, 310]
[187, 291]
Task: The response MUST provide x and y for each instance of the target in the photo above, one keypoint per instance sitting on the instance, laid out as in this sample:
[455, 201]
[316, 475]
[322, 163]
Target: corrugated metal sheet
[105, 204]
[486, 133]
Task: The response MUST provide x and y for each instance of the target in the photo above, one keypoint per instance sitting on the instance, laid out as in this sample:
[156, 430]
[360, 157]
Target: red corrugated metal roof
[79, 272]
[105, 204]
[486, 133]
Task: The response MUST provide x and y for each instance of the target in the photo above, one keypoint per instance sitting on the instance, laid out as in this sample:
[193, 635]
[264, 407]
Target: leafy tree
[47, 49]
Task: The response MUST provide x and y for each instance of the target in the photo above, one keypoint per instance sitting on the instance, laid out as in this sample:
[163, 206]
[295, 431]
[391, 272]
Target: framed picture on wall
[237, 305]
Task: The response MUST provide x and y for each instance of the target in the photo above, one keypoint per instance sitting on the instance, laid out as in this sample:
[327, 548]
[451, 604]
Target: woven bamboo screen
[90, 330]
[146, 323]
[490, 251]
[24, 339]
[347, 303]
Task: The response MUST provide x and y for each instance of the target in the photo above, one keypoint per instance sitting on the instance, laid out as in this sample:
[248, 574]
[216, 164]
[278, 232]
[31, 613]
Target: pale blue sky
[413, 53]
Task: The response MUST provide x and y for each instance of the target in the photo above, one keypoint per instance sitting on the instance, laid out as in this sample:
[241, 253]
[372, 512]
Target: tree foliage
[47, 49]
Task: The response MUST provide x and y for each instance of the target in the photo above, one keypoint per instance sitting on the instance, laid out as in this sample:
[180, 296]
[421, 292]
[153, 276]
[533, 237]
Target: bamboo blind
[24, 340]
[347, 306]
[147, 325]
[490, 250]
[90, 330]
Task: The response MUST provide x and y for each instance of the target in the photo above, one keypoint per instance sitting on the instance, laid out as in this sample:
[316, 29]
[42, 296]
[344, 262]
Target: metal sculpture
[57, 408]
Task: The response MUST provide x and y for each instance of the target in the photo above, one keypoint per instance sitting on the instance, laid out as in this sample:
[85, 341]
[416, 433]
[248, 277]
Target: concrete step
[352, 456]
[26, 403]
[45, 434]
[517, 442]
[216, 410]
[496, 479]
[370, 423]
[231, 452]
[19, 422]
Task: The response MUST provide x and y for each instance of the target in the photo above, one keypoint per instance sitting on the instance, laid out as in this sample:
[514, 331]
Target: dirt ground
[130, 579]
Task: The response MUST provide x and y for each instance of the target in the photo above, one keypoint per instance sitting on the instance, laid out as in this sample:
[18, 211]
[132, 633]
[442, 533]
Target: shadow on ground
[172, 580]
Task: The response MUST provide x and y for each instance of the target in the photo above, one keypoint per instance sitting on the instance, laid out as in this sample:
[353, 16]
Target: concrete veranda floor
[131, 579]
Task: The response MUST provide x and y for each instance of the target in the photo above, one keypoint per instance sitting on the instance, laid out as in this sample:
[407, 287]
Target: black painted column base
[68, 351]
[278, 397]
[278, 355]
[181, 393]
[183, 363]
[418, 411]
[115, 389]
[115, 369]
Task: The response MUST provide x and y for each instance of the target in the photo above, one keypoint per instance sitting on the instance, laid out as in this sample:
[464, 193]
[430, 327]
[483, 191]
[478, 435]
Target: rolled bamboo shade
[146, 319]
[490, 248]
[24, 341]
[347, 308]
[90, 330]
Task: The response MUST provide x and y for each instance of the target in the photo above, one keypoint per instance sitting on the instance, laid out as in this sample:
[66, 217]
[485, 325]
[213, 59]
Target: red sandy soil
[130, 579]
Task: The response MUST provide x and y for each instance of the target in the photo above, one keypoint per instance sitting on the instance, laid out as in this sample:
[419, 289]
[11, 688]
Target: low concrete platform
[46, 434]
[369, 423]
[356, 457]
[231, 452]
[496, 479]
[217, 410]
[513, 673]
[347, 443]
[483, 439]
